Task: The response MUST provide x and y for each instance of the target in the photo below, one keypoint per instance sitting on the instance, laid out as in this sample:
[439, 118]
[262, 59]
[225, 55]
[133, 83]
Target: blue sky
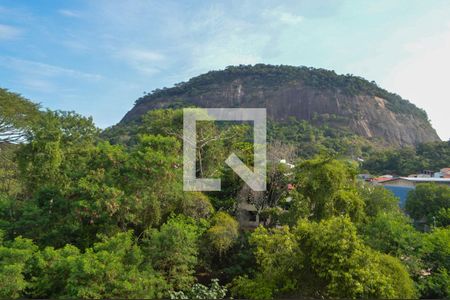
[97, 57]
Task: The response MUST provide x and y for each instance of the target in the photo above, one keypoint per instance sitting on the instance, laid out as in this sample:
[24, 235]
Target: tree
[14, 257]
[9, 172]
[239, 260]
[266, 202]
[393, 233]
[328, 188]
[276, 251]
[53, 165]
[436, 154]
[60, 145]
[112, 268]
[173, 250]
[199, 291]
[255, 289]
[214, 139]
[152, 180]
[223, 232]
[325, 259]
[402, 285]
[436, 256]
[378, 199]
[40, 160]
[196, 205]
[344, 267]
[17, 114]
[405, 161]
[429, 203]
[399, 162]
[112, 221]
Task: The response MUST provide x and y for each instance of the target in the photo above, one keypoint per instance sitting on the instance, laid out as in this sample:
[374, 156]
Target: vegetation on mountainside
[428, 156]
[89, 219]
[308, 140]
[270, 76]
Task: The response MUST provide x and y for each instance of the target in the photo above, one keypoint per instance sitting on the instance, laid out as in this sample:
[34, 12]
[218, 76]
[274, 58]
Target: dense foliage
[323, 259]
[16, 115]
[406, 161]
[85, 218]
[430, 204]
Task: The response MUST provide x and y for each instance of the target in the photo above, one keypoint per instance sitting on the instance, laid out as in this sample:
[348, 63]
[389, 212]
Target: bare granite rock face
[315, 95]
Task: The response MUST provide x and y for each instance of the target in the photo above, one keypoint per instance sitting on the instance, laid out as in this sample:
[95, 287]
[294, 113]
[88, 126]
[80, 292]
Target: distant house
[427, 173]
[444, 173]
[413, 181]
[401, 186]
[247, 215]
[420, 176]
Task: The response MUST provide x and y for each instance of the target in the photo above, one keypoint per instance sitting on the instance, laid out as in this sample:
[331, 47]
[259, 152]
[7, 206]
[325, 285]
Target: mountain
[318, 96]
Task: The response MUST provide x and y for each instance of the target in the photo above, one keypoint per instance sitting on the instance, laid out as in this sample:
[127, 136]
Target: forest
[90, 213]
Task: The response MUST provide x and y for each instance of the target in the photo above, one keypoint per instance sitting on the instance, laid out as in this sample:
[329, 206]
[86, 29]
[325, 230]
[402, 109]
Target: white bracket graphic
[256, 180]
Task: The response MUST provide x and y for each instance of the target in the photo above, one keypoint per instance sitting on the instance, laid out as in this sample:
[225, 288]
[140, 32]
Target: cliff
[315, 95]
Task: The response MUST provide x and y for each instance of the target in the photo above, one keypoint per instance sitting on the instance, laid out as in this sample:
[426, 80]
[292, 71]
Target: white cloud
[43, 77]
[145, 61]
[44, 70]
[69, 13]
[144, 56]
[282, 16]
[38, 85]
[75, 45]
[9, 32]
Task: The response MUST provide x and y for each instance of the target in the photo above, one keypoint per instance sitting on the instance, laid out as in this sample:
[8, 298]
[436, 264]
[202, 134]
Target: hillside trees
[17, 114]
[9, 171]
[326, 259]
[59, 148]
[80, 187]
[312, 256]
[113, 267]
[430, 203]
[377, 200]
[173, 249]
[436, 256]
[14, 258]
[51, 163]
[427, 156]
[223, 232]
[326, 188]
[93, 219]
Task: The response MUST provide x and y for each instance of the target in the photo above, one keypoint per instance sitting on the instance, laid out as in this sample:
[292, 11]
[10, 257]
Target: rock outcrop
[316, 95]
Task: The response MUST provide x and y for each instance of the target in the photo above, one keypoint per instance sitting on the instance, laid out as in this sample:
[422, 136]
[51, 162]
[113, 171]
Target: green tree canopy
[223, 232]
[429, 203]
[326, 188]
[17, 114]
[325, 259]
[173, 249]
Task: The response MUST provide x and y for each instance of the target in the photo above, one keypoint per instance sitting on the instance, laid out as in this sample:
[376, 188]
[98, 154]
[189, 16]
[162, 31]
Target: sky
[98, 57]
